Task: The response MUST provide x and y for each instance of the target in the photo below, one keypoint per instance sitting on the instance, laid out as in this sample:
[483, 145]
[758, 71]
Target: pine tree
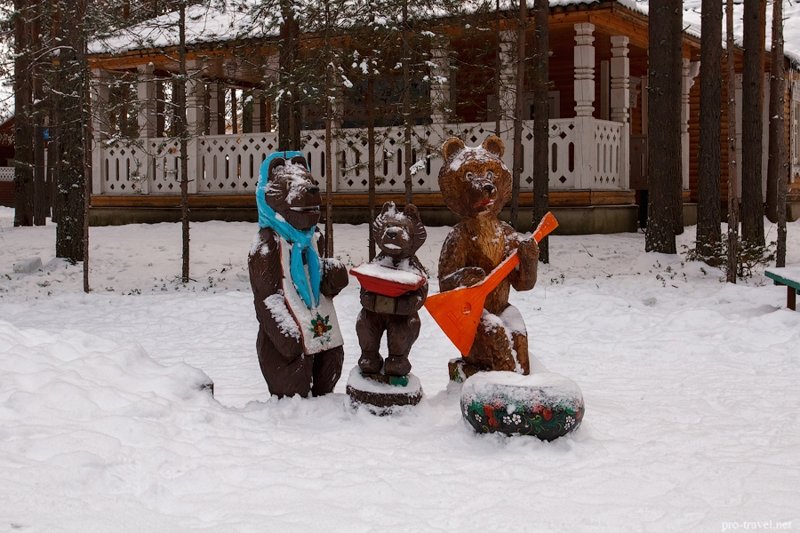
[541, 116]
[183, 134]
[289, 111]
[23, 103]
[778, 160]
[733, 200]
[752, 132]
[708, 205]
[664, 142]
[71, 77]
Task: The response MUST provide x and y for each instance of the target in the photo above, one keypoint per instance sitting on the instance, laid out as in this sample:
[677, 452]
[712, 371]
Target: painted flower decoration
[321, 325]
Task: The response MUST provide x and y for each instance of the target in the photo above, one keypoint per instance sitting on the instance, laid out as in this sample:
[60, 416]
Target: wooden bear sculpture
[299, 342]
[475, 185]
[398, 235]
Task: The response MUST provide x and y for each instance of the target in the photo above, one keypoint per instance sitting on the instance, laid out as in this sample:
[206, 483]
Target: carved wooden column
[620, 101]
[583, 89]
[689, 70]
[195, 100]
[584, 69]
[100, 95]
[507, 75]
[440, 82]
[216, 106]
[146, 96]
[337, 105]
[257, 125]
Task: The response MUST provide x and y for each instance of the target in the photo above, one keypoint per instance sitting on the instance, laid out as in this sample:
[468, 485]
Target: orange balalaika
[458, 312]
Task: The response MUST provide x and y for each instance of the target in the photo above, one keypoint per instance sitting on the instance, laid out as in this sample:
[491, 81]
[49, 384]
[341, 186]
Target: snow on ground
[690, 386]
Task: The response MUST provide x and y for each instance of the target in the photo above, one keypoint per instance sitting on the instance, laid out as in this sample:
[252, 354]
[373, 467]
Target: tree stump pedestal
[381, 394]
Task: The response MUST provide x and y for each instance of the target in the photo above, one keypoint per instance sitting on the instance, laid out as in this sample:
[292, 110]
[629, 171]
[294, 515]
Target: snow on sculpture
[481, 259]
[476, 184]
[299, 341]
[394, 286]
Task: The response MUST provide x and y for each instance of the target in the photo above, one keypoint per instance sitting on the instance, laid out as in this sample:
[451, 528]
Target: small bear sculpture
[299, 341]
[398, 235]
[476, 184]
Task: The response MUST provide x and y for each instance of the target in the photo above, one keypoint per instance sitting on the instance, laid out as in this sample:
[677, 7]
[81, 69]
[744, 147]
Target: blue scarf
[303, 245]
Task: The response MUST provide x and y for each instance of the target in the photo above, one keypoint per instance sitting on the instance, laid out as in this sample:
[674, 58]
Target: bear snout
[394, 240]
[394, 233]
[489, 189]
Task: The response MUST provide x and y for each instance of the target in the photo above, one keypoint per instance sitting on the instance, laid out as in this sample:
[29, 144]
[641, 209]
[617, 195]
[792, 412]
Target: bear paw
[397, 365]
[370, 363]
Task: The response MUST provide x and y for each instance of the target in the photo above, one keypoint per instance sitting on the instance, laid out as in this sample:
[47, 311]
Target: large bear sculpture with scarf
[299, 341]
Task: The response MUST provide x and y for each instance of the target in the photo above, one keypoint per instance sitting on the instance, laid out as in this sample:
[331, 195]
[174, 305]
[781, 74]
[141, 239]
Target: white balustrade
[124, 168]
[563, 141]
[230, 163]
[6, 174]
[584, 153]
[164, 165]
[607, 142]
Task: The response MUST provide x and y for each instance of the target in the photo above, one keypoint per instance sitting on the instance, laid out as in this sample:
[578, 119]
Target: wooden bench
[789, 276]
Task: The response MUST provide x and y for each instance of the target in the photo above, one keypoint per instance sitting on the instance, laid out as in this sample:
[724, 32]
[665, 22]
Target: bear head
[474, 180]
[399, 234]
[292, 192]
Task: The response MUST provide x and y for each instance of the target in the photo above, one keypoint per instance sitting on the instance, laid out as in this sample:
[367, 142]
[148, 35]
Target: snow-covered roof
[691, 22]
[222, 22]
[241, 19]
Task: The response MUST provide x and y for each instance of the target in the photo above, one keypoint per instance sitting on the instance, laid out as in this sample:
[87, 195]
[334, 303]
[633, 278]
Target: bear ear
[300, 160]
[386, 207]
[411, 211]
[275, 163]
[495, 145]
[452, 147]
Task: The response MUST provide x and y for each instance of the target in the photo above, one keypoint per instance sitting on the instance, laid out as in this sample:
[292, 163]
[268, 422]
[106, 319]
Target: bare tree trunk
[777, 99]
[778, 160]
[519, 104]
[23, 131]
[498, 68]
[39, 185]
[407, 122]
[36, 44]
[664, 110]
[71, 79]
[288, 106]
[371, 158]
[709, 214]
[87, 161]
[180, 127]
[234, 112]
[328, 141]
[733, 201]
[752, 133]
[541, 121]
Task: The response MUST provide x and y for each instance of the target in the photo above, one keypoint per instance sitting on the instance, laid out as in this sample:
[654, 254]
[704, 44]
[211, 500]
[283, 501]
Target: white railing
[6, 173]
[124, 168]
[229, 164]
[608, 141]
[584, 153]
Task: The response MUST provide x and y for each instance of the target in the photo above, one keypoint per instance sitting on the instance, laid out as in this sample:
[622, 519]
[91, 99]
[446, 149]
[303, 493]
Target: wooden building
[6, 168]
[598, 122]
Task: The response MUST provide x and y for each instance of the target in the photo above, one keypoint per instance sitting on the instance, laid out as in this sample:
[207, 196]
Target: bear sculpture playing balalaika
[476, 184]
